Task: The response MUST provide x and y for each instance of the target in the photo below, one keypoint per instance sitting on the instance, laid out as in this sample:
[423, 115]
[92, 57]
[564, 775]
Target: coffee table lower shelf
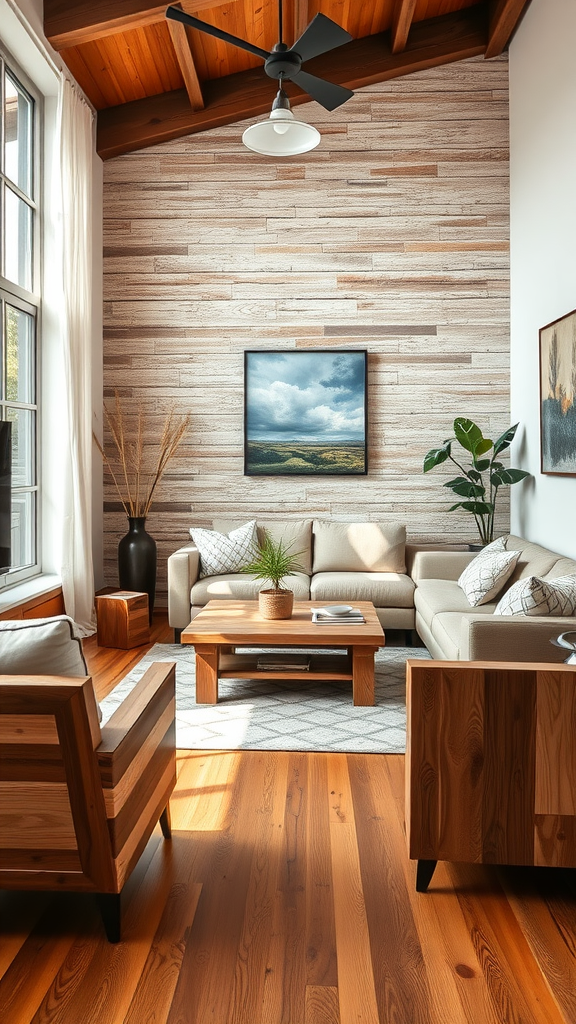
[322, 666]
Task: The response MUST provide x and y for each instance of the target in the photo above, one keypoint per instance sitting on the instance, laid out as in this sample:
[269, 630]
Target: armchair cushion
[41, 646]
[359, 547]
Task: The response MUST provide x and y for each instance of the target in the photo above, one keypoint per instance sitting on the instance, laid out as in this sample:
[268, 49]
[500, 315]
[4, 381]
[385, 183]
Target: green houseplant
[479, 481]
[274, 562]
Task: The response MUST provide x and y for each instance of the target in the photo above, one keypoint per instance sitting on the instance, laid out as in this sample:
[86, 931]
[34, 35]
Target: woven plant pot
[275, 604]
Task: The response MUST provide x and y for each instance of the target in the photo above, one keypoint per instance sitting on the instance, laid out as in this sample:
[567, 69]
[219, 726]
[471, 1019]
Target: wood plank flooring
[286, 897]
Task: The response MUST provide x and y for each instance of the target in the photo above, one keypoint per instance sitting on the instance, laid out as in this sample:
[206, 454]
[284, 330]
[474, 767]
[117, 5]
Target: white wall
[543, 246]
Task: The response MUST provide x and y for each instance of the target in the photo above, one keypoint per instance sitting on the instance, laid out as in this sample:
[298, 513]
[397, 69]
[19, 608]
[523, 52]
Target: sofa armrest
[440, 565]
[513, 637]
[183, 569]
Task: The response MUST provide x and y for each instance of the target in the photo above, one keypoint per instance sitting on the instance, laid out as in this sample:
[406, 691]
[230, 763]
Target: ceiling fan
[283, 62]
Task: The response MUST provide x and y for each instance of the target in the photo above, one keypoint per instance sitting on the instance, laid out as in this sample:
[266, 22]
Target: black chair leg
[177, 635]
[424, 871]
[109, 906]
[165, 822]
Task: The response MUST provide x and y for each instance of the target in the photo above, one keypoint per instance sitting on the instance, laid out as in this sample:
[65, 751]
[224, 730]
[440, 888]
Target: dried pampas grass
[134, 480]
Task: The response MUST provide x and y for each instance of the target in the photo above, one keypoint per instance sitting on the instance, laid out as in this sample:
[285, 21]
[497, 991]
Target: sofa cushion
[243, 587]
[295, 534]
[533, 596]
[41, 647]
[484, 578]
[533, 560]
[384, 589]
[563, 567]
[225, 552]
[359, 547]
[433, 597]
[447, 632]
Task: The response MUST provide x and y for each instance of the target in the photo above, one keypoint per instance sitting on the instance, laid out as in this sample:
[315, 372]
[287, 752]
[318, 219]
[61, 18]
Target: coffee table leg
[206, 674]
[363, 676]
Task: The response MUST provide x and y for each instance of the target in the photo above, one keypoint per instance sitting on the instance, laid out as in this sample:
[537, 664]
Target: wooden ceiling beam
[181, 44]
[361, 62]
[505, 16]
[71, 24]
[401, 21]
[300, 20]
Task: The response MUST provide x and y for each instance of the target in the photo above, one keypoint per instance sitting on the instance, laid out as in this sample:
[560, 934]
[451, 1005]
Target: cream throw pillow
[225, 552]
[486, 574]
[41, 647]
[533, 596]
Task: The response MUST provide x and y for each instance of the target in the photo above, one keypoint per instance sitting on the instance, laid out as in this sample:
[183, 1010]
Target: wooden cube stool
[122, 619]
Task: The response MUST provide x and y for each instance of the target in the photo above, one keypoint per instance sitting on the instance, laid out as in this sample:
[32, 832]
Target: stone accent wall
[391, 236]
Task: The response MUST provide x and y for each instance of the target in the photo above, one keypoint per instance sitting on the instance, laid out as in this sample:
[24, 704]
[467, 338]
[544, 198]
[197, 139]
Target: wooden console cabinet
[490, 764]
[122, 619]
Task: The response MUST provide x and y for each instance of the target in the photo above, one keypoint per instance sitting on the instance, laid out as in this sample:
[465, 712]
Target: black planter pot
[137, 560]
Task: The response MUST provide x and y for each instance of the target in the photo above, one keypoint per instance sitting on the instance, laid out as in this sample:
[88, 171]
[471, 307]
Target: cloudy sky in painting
[305, 396]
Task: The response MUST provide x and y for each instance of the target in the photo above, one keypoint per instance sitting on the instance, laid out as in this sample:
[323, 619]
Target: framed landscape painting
[558, 396]
[305, 412]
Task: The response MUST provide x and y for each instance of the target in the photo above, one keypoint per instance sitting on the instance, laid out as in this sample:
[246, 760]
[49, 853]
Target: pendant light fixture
[281, 134]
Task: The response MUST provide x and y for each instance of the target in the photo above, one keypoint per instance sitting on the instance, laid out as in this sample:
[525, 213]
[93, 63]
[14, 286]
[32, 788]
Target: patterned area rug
[289, 715]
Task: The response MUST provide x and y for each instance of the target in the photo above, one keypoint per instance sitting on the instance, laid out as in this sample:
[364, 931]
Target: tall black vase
[137, 560]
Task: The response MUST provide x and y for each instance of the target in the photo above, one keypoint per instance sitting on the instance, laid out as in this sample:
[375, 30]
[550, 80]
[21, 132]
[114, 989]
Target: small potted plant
[274, 562]
[479, 482]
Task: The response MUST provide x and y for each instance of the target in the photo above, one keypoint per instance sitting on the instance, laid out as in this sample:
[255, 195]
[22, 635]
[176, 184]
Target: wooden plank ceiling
[152, 79]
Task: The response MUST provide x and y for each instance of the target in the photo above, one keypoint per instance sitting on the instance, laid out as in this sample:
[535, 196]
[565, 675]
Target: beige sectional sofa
[342, 562]
[452, 630]
[410, 587]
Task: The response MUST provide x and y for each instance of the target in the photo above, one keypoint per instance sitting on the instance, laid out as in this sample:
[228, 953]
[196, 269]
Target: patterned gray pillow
[225, 552]
[534, 596]
[486, 574]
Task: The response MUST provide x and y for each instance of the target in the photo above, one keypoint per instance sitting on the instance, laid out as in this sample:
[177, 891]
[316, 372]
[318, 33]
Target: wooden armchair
[490, 764]
[78, 803]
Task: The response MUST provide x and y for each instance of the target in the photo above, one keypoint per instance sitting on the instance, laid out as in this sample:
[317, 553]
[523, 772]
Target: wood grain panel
[210, 250]
[31, 815]
[555, 745]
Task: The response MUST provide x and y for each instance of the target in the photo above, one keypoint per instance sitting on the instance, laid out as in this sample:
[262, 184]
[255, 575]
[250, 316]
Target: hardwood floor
[286, 897]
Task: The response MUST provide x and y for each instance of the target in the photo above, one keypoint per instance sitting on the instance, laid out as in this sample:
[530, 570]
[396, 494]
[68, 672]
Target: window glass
[23, 453]
[18, 109]
[17, 240]
[23, 529]
[20, 377]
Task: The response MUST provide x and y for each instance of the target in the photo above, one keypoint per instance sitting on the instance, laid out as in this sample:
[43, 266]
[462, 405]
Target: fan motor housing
[282, 64]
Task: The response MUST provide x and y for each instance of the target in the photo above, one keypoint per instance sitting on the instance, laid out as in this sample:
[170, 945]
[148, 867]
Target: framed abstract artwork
[558, 396]
[305, 412]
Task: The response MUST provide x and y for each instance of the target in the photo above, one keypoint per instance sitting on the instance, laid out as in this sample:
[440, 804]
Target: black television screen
[5, 494]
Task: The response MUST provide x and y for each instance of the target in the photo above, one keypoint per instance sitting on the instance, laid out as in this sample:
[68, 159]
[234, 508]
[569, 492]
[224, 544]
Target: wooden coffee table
[223, 625]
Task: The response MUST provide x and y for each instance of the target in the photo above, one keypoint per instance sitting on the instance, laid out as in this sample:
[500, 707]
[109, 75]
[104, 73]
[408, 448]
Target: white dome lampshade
[281, 134]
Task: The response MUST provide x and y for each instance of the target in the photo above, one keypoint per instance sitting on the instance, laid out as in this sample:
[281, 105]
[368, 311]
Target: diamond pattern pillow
[486, 574]
[221, 552]
[533, 596]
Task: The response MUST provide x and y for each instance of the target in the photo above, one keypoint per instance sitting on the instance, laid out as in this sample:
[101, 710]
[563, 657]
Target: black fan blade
[175, 14]
[327, 94]
[322, 35]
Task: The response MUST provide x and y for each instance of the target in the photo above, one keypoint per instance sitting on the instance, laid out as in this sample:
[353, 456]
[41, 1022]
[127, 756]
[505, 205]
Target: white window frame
[27, 301]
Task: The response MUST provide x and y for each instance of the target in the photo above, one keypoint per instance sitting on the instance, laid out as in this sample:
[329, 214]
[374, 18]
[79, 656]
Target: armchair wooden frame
[490, 764]
[79, 803]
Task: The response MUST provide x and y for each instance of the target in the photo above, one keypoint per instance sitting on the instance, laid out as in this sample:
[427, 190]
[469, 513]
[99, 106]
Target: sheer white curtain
[75, 154]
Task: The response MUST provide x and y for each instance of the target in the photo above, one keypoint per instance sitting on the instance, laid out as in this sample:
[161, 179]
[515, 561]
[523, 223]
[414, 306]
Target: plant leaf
[457, 505]
[474, 475]
[481, 465]
[480, 508]
[505, 439]
[482, 447]
[435, 457]
[467, 489]
[510, 476]
[467, 433]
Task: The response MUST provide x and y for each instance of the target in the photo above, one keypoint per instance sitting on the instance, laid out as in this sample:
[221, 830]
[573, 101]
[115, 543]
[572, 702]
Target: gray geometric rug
[268, 714]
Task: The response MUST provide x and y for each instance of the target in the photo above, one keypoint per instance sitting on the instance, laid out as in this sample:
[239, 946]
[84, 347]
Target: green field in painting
[271, 458]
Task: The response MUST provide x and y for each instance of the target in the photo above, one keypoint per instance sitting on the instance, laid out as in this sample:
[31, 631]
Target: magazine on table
[283, 662]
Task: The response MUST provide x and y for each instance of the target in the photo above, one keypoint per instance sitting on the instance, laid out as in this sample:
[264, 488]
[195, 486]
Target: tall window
[19, 304]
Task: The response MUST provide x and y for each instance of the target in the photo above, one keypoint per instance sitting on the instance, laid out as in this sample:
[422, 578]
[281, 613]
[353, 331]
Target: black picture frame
[558, 396]
[306, 412]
